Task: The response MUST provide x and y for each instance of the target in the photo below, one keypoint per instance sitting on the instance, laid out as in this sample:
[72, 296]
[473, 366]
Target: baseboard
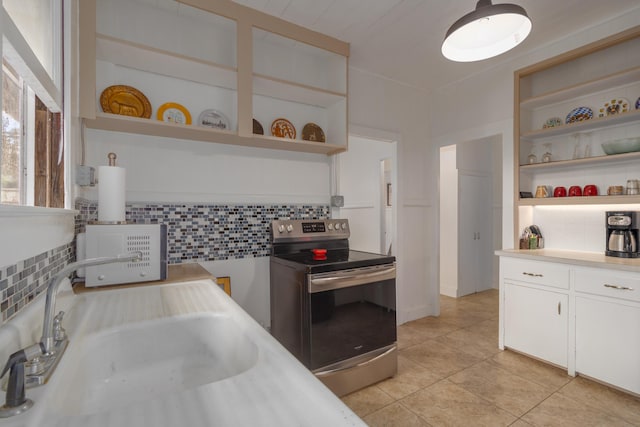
[405, 316]
[449, 291]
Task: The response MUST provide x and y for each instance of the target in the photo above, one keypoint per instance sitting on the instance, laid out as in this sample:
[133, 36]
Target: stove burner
[319, 254]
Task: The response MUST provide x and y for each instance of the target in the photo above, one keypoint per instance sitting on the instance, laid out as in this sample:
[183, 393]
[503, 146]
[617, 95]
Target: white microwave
[107, 240]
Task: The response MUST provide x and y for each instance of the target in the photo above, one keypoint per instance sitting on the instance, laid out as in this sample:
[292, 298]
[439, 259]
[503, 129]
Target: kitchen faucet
[41, 358]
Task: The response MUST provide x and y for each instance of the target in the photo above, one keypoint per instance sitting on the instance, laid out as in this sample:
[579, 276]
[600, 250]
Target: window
[11, 156]
[31, 158]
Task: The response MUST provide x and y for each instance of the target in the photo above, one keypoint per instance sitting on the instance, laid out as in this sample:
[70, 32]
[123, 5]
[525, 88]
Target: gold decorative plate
[312, 132]
[126, 101]
[282, 128]
[172, 112]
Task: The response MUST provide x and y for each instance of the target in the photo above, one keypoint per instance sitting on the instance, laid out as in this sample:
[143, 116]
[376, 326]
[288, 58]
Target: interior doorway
[470, 215]
[365, 176]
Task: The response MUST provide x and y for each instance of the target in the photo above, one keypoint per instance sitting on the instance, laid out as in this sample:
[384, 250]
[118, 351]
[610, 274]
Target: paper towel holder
[112, 163]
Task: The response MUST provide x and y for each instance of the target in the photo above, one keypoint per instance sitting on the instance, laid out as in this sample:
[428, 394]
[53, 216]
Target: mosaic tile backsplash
[20, 283]
[196, 232]
[208, 232]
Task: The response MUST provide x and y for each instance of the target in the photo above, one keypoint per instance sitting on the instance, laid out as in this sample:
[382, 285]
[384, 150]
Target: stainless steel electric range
[332, 307]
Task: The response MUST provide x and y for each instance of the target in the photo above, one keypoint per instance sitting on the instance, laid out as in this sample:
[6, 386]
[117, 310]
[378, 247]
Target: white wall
[380, 103]
[169, 170]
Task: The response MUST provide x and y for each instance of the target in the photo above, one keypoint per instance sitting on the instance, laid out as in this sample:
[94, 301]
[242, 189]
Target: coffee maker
[622, 234]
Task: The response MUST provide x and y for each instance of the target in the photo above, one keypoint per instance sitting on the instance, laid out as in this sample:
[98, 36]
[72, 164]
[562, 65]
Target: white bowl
[619, 146]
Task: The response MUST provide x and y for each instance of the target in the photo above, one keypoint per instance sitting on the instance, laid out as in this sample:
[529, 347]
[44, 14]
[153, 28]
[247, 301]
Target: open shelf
[581, 200]
[144, 58]
[608, 82]
[564, 164]
[288, 91]
[116, 123]
[278, 70]
[591, 75]
[587, 125]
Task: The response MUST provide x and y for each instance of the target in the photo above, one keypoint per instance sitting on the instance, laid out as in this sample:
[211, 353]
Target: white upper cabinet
[213, 55]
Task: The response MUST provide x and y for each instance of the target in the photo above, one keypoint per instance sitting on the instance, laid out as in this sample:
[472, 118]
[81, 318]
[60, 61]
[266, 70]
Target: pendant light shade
[486, 32]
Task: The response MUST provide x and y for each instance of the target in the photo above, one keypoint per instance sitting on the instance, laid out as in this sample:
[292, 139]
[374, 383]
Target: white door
[475, 238]
[536, 322]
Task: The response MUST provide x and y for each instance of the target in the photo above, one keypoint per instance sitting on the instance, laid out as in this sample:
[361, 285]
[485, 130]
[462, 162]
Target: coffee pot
[622, 234]
[622, 241]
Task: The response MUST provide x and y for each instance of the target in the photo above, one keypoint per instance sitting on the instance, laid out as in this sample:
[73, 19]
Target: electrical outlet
[85, 176]
[337, 201]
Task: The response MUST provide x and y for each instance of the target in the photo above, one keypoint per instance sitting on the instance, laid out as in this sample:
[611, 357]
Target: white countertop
[276, 391]
[585, 259]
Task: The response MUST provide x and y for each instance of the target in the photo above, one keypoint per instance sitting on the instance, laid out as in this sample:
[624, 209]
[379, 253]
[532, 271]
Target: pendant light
[486, 32]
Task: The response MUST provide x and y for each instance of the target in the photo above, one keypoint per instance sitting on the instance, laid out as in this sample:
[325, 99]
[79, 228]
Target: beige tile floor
[451, 373]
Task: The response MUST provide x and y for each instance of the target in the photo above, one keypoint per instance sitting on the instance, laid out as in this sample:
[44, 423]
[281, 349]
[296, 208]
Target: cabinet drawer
[610, 283]
[537, 272]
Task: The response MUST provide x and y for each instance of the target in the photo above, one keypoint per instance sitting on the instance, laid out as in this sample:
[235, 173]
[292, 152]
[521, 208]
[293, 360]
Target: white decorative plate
[214, 119]
[615, 106]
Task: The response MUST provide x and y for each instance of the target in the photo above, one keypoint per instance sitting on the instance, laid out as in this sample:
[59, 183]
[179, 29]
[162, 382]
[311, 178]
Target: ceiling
[401, 39]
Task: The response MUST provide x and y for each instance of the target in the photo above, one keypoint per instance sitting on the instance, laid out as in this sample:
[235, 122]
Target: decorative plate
[638, 104]
[552, 122]
[126, 101]
[172, 112]
[257, 128]
[214, 119]
[312, 132]
[579, 114]
[615, 106]
[282, 128]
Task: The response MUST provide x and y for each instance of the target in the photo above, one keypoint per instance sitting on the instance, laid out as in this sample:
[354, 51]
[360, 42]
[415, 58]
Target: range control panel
[309, 229]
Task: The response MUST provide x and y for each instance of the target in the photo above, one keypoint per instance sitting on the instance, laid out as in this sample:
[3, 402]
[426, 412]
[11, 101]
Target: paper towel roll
[111, 194]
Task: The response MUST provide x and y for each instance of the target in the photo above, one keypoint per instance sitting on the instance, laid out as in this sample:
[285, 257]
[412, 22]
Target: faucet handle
[16, 401]
[59, 333]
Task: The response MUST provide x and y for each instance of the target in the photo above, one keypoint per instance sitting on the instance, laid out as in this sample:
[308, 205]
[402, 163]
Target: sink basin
[141, 361]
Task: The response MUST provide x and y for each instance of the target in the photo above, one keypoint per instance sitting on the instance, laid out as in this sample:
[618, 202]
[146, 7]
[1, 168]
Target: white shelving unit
[591, 76]
[245, 64]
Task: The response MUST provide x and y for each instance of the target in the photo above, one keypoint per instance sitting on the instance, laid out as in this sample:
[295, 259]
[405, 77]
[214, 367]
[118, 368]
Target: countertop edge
[176, 273]
[584, 259]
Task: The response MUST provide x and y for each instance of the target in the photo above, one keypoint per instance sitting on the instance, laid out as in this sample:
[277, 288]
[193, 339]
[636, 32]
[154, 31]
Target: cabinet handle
[559, 307]
[532, 274]
[622, 288]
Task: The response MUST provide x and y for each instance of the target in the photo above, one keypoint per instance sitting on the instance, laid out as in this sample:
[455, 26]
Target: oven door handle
[357, 365]
[351, 279]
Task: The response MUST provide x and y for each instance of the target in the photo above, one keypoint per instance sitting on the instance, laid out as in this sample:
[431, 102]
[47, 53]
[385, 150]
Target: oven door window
[351, 321]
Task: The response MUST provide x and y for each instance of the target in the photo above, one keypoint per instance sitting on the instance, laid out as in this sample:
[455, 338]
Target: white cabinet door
[475, 239]
[535, 322]
[608, 341]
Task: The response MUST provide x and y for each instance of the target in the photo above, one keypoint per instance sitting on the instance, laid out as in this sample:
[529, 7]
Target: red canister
[560, 192]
